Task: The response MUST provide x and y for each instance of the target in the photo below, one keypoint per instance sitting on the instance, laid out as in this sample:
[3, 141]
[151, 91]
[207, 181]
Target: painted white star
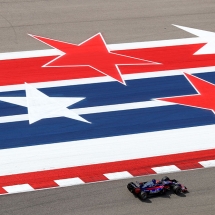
[208, 36]
[41, 106]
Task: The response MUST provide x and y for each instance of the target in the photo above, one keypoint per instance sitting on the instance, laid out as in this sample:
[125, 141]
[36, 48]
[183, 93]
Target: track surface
[114, 198]
[121, 21]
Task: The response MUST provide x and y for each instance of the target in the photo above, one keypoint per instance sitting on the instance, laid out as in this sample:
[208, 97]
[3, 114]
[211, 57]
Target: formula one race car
[144, 189]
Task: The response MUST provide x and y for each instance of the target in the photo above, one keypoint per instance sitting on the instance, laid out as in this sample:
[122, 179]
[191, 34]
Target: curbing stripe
[166, 169]
[209, 163]
[18, 188]
[118, 175]
[69, 182]
[4, 190]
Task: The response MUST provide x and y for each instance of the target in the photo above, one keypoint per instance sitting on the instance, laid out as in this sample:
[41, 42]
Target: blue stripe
[18, 134]
[113, 92]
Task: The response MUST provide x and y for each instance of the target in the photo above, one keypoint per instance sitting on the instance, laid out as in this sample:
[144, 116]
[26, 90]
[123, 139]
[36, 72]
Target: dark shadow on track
[167, 195]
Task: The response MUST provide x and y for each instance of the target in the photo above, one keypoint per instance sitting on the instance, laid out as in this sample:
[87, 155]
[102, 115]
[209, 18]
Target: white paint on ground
[77, 111]
[18, 188]
[100, 150]
[41, 106]
[209, 163]
[208, 36]
[118, 175]
[69, 182]
[166, 169]
[29, 54]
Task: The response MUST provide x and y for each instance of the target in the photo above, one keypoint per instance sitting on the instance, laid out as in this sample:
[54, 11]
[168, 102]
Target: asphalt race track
[120, 22]
[113, 198]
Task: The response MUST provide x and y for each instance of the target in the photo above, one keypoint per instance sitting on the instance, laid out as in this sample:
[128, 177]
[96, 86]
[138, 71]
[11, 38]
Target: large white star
[208, 36]
[41, 106]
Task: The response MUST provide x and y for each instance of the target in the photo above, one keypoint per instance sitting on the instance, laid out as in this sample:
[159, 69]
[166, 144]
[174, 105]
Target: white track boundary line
[111, 47]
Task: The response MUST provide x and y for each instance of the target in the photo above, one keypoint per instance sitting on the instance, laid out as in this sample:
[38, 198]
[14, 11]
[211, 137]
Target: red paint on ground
[30, 70]
[93, 173]
[2, 191]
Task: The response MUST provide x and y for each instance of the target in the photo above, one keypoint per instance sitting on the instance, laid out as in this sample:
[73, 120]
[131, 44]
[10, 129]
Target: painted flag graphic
[64, 124]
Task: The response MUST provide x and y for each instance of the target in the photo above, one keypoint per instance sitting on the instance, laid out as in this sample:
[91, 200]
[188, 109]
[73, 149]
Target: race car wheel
[143, 195]
[163, 192]
[177, 189]
[165, 178]
[130, 188]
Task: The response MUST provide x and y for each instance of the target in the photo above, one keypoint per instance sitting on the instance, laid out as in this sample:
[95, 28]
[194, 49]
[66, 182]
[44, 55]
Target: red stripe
[40, 184]
[190, 165]
[92, 173]
[2, 191]
[171, 58]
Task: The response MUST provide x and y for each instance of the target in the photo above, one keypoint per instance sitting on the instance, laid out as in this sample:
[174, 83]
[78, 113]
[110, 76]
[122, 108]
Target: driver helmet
[154, 181]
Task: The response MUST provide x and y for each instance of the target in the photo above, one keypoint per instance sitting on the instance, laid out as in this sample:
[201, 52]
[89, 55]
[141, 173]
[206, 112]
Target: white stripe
[111, 47]
[18, 188]
[120, 107]
[154, 44]
[69, 182]
[108, 149]
[166, 169]
[29, 54]
[210, 163]
[118, 175]
[14, 118]
[93, 110]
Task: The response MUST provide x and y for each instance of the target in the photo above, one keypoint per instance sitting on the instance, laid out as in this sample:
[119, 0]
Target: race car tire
[130, 187]
[163, 192]
[165, 178]
[143, 195]
[177, 189]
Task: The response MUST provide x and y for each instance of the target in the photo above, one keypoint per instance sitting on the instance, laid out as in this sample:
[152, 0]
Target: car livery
[144, 189]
